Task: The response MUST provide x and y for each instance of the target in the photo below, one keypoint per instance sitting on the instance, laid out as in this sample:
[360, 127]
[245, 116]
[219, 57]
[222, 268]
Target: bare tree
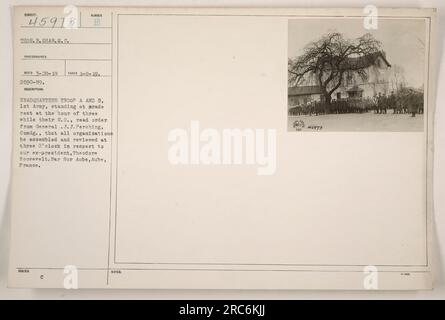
[331, 58]
[397, 77]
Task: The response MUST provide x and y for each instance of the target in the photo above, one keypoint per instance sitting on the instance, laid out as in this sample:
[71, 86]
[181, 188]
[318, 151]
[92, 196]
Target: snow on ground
[358, 122]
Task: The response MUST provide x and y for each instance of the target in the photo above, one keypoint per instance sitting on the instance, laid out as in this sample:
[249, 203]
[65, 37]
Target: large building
[377, 69]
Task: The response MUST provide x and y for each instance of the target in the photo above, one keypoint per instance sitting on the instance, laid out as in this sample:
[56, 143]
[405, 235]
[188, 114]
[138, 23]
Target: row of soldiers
[408, 102]
[337, 106]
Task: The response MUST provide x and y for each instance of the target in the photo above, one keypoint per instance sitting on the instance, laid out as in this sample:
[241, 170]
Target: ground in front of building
[368, 121]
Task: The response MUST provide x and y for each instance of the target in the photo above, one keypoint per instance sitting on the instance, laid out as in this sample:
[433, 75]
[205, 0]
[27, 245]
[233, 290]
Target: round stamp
[298, 125]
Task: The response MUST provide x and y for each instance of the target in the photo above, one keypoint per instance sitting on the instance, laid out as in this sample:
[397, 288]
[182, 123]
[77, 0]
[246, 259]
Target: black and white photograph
[235, 152]
[346, 76]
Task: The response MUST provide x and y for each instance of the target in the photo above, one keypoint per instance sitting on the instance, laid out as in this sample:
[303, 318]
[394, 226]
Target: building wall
[302, 99]
[377, 82]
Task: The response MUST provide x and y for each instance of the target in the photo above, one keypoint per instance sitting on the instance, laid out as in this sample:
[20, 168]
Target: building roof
[354, 89]
[369, 59]
[303, 90]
